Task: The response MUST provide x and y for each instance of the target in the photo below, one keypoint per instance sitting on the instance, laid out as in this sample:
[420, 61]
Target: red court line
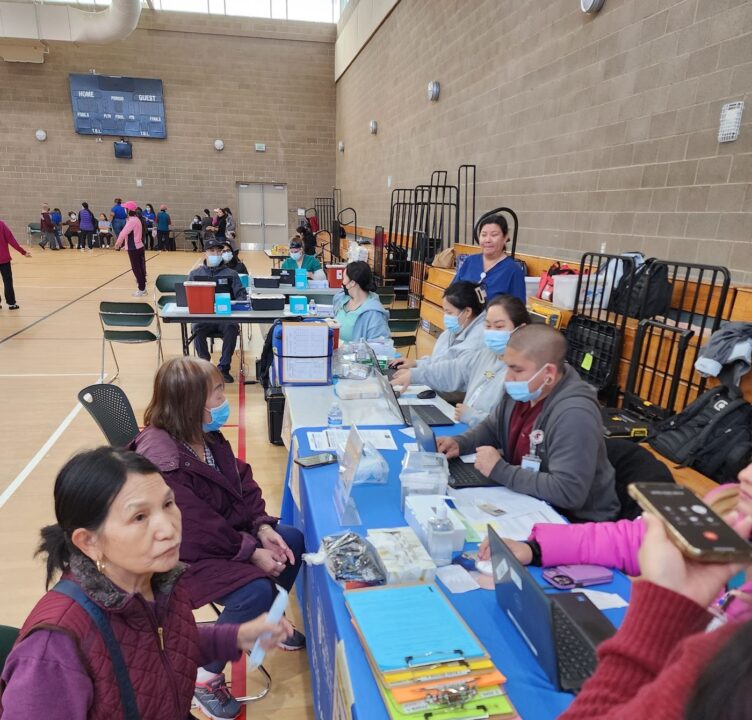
[239, 683]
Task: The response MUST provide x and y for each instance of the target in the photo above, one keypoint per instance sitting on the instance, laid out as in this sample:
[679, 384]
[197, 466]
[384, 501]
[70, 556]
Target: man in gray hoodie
[546, 437]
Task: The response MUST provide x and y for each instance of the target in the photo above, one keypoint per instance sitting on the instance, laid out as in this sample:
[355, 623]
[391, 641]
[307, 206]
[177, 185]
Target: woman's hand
[662, 563]
[401, 377]
[272, 562]
[250, 631]
[486, 458]
[403, 363]
[448, 446]
[459, 409]
[272, 540]
[522, 551]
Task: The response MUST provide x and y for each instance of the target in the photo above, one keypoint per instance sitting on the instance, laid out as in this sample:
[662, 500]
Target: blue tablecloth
[327, 620]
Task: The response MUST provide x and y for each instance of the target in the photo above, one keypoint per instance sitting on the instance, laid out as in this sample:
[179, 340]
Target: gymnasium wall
[241, 80]
[593, 128]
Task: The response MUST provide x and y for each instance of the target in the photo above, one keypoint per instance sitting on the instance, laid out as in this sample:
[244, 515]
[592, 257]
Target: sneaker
[42, 246]
[215, 700]
[139, 293]
[226, 376]
[296, 641]
[13, 307]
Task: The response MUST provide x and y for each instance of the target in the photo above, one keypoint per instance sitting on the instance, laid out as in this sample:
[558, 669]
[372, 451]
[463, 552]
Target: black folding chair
[111, 410]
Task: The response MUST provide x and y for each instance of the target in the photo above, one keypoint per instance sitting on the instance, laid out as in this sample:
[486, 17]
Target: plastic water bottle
[312, 307]
[440, 531]
[334, 418]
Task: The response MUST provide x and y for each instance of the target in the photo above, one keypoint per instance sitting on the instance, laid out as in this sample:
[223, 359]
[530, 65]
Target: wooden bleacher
[738, 307]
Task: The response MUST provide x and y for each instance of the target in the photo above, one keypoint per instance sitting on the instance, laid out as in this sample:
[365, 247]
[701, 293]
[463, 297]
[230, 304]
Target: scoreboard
[122, 106]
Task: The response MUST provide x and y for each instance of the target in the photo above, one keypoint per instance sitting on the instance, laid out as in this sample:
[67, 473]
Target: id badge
[531, 462]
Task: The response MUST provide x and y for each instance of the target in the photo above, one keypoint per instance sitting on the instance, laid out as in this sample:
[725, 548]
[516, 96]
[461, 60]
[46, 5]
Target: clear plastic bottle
[334, 418]
[440, 531]
[312, 307]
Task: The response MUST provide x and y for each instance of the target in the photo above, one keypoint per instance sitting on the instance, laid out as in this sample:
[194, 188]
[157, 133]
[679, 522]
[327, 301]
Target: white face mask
[227, 256]
[295, 255]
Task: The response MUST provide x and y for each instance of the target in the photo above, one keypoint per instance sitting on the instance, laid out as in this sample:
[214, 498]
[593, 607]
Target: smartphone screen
[316, 460]
[695, 528]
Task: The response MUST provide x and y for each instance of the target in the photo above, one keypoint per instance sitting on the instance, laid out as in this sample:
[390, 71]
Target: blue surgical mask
[520, 391]
[227, 256]
[452, 323]
[219, 416]
[213, 260]
[496, 340]
[295, 256]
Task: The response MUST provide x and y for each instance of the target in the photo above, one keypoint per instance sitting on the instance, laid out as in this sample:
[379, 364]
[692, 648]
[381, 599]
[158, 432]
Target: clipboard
[398, 626]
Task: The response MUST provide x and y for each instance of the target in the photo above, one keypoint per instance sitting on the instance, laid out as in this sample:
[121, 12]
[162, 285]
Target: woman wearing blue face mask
[235, 550]
[463, 323]
[479, 373]
[298, 259]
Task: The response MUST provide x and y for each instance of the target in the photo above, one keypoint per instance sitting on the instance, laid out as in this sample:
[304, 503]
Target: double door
[262, 215]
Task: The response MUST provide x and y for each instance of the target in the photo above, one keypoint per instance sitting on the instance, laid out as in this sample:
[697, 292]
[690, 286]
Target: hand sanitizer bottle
[440, 531]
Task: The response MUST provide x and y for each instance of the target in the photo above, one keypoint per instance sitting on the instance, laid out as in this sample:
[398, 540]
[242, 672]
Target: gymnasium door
[262, 213]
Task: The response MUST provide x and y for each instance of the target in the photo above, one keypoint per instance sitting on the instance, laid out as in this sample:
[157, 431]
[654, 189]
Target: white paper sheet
[305, 347]
[457, 579]
[330, 438]
[470, 458]
[408, 431]
[604, 600]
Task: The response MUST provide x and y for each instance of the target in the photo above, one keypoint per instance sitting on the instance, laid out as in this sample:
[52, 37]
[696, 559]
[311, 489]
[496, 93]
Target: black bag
[649, 295]
[713, 435]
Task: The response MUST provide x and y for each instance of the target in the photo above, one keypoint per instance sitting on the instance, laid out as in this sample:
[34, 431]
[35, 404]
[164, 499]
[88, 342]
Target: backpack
[650, 293]
[712, 435]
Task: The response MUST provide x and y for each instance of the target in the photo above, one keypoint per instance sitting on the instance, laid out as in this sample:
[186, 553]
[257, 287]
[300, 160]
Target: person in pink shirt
[132, 235]
[6, 242]
[616, 544]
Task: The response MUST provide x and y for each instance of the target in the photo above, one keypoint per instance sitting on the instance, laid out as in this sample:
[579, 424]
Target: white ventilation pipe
[63, 23]
[115, 23]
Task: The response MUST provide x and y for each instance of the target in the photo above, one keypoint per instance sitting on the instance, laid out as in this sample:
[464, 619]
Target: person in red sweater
[651, 667]
[6, 241]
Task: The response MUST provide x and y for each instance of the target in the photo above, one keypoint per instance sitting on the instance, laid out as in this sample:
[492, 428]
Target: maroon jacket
[6, 242]
[222, 510]
[159, 642]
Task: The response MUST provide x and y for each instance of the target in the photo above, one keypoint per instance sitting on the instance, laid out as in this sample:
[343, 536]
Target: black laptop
[430, 414]
[562, 629]
[181, 300]
[461, 474]
[286, 276]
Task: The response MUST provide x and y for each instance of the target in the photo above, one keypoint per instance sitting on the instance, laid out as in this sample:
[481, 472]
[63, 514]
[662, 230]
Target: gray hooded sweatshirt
[575, 475]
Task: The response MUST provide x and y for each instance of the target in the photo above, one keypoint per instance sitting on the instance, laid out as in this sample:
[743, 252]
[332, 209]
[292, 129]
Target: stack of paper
[424, 657]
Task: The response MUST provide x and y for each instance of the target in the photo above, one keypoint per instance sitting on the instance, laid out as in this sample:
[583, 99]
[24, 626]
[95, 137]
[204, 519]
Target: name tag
[531, 462]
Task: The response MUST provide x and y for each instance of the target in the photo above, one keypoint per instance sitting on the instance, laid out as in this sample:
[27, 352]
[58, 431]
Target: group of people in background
[220, 225]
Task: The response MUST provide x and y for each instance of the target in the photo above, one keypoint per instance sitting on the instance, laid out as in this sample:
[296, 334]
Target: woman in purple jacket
[616, 544]
[116, 543]
[236, 552]
[87, 225]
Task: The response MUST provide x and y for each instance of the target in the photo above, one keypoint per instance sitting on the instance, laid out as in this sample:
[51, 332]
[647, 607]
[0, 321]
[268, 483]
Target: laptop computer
[561, 629]
[286, 276]
[181, 299]
[461, 474]
[428, 413]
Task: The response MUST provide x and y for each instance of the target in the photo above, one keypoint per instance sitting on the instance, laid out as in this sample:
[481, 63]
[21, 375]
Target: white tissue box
[419, 509]
[404, 559]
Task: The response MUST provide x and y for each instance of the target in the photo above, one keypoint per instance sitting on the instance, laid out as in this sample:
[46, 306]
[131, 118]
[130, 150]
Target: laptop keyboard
[576, 659]
[430, 414]
[463, 474]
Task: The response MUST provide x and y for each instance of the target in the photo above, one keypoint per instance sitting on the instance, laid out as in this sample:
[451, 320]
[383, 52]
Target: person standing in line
[132, 235]
[57, 221]
[150, 217]
[87, 224]
[118, 216]
[163, 229]
[6, 242]
[206, 222]
[47, 228]
[230, 227]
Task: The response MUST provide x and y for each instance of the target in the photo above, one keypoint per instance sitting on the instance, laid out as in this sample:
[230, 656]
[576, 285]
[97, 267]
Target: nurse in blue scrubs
[495, 271]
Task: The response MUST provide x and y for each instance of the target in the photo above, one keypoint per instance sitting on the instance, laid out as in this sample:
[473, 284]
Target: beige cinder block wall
[241, 80]
[594, 129]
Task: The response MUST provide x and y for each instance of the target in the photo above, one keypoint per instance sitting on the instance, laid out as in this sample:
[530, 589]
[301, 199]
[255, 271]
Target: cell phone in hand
[694, 528]
[311, 461]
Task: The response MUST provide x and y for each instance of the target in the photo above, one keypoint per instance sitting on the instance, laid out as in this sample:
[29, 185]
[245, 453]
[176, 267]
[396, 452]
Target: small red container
[200, 296]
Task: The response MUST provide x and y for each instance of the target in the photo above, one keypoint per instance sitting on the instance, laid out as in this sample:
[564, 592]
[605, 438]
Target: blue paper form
[410, 625]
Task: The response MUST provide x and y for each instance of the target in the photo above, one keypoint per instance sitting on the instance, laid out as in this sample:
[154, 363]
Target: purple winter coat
[222, 510]
[86, 220]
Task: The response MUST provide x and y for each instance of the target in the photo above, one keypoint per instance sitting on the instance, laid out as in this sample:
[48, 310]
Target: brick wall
[241, 80]
[594, 129]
